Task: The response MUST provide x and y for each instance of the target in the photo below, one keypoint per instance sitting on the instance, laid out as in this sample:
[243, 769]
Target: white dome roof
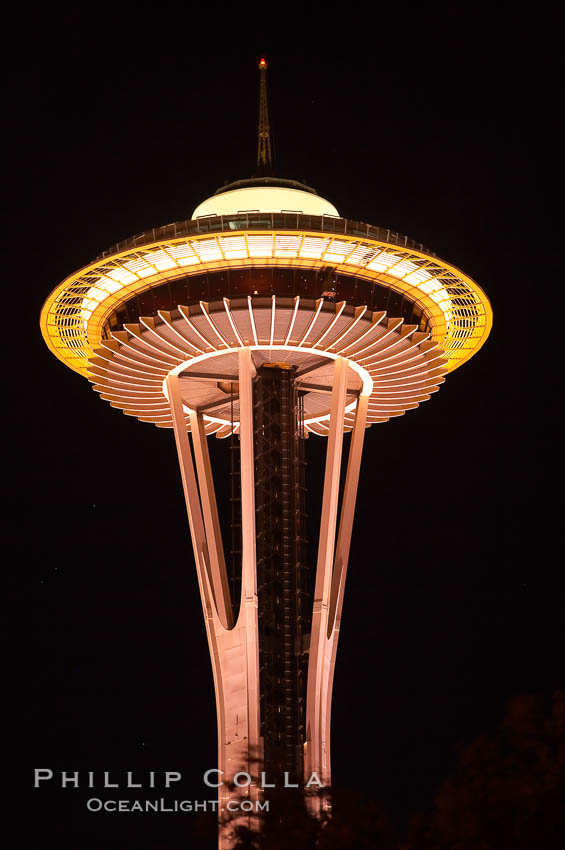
[274, 199]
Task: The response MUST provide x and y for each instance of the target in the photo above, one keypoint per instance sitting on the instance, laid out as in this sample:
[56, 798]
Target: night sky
[451, 602]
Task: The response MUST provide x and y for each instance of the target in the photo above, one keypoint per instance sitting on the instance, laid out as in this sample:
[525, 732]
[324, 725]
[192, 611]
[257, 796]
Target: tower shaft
[180, 326]
[281, 568]
[273, 668]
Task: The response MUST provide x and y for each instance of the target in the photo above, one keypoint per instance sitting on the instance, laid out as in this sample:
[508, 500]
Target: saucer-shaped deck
[393, 363]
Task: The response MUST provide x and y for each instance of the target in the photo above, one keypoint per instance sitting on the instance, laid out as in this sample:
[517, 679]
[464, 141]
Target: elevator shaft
[281, 567]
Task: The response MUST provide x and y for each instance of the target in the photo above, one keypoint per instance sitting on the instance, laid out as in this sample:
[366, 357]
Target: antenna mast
[264, 155]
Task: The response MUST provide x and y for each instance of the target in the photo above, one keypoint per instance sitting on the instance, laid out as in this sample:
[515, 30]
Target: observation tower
[264, 319]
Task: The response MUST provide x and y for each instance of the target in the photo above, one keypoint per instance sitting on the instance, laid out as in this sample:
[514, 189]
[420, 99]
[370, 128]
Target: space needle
[265, 319]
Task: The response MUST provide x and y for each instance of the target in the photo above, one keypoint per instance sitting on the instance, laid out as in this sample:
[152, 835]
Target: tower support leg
[220, 583]
[330, 582]
[316, 756]
[234, 647]
[249, 606]
[234, 651]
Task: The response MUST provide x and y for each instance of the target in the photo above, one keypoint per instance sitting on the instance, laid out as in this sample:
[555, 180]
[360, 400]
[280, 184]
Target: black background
[451, 605]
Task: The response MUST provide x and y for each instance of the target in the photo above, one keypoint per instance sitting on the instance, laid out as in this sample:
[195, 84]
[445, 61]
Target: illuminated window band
[74, 315]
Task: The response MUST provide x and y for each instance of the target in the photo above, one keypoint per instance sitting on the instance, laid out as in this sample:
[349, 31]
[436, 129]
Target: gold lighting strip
[74, 315]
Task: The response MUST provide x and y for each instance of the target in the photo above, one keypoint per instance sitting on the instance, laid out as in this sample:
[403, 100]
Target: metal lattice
[280, 567]
[459, 313]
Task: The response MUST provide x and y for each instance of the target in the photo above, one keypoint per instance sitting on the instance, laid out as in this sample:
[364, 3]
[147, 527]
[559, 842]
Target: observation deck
[367, 262]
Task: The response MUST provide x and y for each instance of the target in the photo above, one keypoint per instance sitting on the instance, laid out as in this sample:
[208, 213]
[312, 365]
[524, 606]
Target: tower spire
[264, 155]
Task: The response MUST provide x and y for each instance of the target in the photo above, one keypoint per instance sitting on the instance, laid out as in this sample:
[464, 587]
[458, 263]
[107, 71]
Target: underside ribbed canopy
[394, 364]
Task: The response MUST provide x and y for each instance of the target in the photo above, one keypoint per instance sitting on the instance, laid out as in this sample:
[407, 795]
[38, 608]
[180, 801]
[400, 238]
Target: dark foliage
[506, 794]
[509, 787]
